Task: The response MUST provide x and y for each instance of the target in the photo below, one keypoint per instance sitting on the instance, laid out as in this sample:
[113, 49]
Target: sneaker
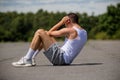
[23, 62]
[33, 62]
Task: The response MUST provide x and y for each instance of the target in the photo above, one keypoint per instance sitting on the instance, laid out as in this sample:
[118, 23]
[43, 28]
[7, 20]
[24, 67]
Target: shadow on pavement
[81, 64]
[86, 64]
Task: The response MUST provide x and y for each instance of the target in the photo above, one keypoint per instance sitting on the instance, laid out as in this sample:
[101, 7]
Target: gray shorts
[55, 55]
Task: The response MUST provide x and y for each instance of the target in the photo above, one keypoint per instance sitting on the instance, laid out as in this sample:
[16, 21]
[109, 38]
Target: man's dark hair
[74, 17]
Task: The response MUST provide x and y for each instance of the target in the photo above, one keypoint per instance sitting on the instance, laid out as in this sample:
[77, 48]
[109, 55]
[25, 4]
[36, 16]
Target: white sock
[36, 52]
[29, 54]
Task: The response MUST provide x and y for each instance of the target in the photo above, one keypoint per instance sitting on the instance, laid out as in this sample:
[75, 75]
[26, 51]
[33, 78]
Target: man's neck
[70, 25]
[73, 25]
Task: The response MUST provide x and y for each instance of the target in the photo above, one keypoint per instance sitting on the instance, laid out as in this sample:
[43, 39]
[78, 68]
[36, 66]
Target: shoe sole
[26, 65]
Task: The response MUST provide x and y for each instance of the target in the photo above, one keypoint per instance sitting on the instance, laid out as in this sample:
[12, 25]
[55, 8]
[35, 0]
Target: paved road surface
[99, 60]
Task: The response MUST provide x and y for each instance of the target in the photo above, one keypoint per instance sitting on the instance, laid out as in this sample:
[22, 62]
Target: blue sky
[88, 6]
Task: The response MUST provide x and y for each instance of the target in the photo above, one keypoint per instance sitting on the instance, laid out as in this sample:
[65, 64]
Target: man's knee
[40, 31]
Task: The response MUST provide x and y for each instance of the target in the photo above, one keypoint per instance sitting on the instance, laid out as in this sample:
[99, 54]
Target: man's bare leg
[36, 42]
[42, 40]
[40, 48]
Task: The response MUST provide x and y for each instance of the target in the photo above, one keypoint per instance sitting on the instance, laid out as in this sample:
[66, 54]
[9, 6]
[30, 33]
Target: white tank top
[72, 47]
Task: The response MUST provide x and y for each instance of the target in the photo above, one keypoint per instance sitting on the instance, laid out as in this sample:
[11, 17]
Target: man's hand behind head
[65, 19]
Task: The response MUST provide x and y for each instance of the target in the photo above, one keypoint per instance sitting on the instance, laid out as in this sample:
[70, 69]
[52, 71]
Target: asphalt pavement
[99, 60]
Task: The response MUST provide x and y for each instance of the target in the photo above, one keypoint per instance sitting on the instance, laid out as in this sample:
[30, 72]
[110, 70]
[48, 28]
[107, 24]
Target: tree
[21, 26]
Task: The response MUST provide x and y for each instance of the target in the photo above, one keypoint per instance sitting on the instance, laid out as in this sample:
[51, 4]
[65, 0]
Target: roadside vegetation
[21, 26]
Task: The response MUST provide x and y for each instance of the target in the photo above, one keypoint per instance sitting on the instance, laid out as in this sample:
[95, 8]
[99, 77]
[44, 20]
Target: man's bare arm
[59, 24]
[59, 33]
[55, 27]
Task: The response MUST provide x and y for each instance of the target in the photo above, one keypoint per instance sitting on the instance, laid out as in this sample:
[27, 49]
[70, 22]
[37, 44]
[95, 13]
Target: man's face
[67, 22]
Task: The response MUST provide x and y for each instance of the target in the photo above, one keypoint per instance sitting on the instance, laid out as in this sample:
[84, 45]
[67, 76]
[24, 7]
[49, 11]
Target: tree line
[21, 26]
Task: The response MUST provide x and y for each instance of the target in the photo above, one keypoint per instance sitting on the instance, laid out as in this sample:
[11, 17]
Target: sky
[80, 6]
